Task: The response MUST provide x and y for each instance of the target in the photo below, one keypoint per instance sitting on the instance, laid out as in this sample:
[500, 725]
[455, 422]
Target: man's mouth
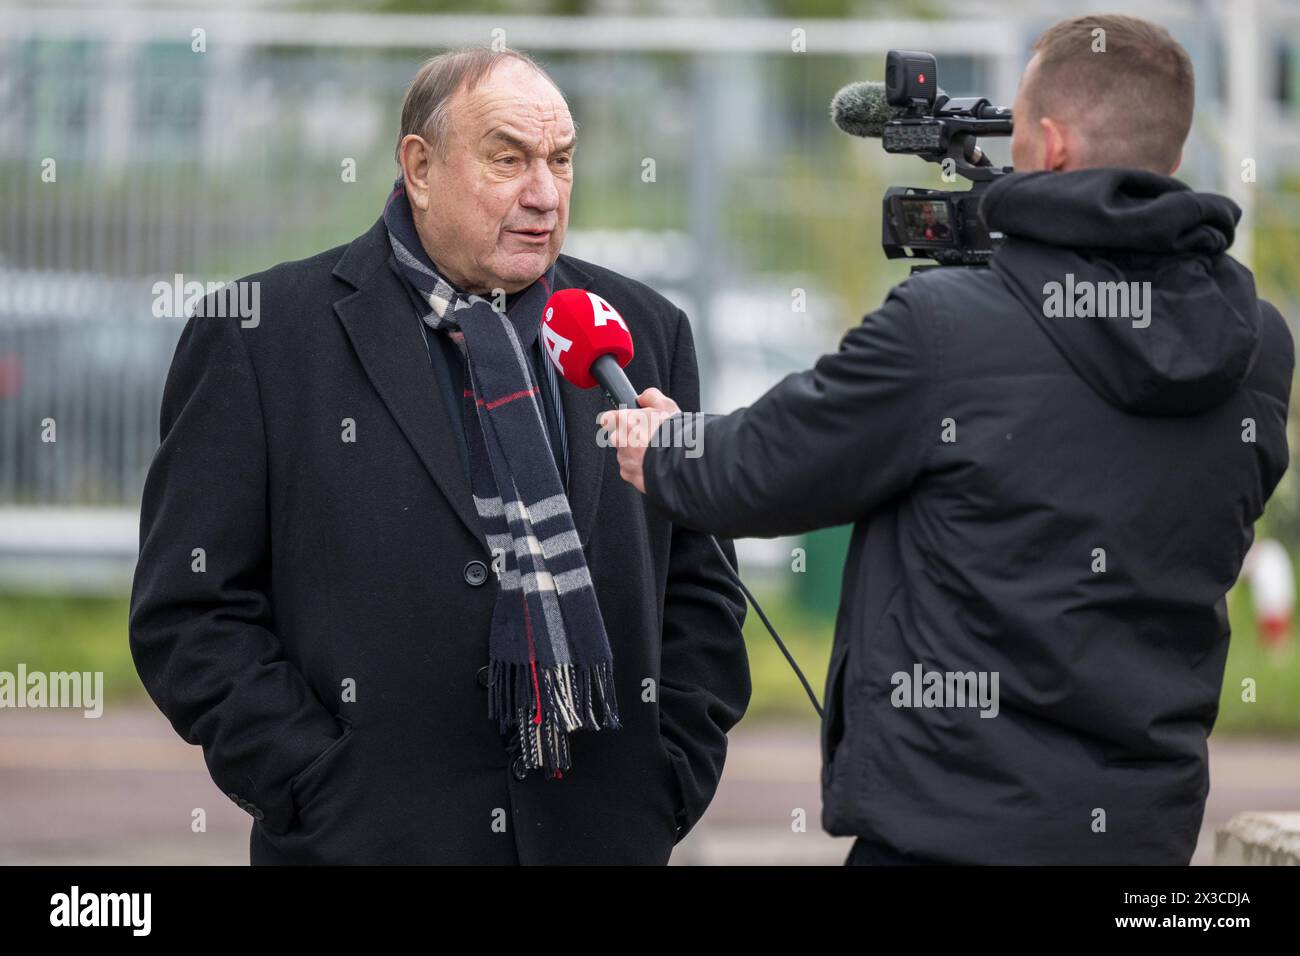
[532, 235]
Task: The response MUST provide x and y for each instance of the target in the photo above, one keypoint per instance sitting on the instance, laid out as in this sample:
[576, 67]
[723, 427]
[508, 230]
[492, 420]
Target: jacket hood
[1126, 272]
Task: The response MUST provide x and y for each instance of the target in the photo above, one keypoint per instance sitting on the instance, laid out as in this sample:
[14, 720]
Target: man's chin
[522, 269]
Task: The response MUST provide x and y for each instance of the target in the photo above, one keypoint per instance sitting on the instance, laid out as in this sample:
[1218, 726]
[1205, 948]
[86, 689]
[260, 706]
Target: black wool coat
[329, 652]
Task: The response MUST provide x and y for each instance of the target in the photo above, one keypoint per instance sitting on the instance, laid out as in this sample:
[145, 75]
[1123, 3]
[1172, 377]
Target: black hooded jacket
[1053, 467]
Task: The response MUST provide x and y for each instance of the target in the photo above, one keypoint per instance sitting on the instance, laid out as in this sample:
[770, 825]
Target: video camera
[937, 224]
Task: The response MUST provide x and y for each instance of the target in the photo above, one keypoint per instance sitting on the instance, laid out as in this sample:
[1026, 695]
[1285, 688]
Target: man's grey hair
[425, 111]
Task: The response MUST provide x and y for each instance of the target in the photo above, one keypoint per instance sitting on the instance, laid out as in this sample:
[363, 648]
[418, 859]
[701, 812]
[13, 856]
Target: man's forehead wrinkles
[521, 128]
[509, 130]
[518, 105]
[530, 118]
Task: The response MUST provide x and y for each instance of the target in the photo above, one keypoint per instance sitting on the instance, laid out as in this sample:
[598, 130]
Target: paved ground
[80, 791]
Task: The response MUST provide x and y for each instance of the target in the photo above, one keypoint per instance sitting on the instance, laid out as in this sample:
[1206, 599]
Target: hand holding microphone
[631, 431]
[589, 343]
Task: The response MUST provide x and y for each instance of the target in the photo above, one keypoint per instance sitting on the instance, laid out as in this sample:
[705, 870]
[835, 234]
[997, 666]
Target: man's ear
[1056, 146]
[1178, 162]
[416, 158]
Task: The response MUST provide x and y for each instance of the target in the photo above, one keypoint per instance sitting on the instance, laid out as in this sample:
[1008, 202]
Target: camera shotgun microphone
[861, 109]
[589, 343]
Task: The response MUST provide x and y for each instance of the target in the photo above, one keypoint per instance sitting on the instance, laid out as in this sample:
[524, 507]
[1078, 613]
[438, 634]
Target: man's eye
[508, 160]
[564, 160]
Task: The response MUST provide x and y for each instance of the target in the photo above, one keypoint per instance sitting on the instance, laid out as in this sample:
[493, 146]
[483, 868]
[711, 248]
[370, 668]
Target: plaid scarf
[550, 667]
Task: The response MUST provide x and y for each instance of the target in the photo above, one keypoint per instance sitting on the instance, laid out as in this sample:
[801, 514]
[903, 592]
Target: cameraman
[1050, 500]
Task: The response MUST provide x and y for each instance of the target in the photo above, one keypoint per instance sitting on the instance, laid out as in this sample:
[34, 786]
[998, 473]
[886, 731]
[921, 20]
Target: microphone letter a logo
[556, 345]
[603, 312]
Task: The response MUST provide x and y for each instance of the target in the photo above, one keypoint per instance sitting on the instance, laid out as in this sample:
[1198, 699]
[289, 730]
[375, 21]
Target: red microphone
[588, 343]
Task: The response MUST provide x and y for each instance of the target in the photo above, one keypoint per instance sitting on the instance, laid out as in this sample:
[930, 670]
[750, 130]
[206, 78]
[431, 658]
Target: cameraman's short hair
[425, 109]
[1133, 102]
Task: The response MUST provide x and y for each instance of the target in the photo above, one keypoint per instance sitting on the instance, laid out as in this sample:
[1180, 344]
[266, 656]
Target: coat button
[482, 676]
[254, 811]
[475, 573]
[518, 768]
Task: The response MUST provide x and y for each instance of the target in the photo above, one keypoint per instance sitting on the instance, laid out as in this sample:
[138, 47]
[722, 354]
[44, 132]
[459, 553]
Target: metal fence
[128, 155]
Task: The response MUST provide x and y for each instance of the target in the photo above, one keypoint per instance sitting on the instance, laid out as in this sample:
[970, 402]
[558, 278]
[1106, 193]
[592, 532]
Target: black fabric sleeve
[823, 447]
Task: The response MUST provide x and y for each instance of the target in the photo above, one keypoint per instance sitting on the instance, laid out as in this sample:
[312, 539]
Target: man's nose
[540, 191]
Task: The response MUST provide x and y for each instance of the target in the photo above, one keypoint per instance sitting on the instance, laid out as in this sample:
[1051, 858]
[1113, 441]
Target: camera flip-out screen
[925, 222]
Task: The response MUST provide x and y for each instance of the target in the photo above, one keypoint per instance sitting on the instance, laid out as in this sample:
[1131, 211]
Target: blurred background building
[142, 141]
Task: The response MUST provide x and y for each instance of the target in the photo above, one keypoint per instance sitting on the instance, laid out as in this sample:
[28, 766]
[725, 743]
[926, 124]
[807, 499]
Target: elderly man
[387, 578]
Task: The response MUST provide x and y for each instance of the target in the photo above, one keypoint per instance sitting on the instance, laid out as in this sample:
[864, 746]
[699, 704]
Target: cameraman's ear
[1177, 163]
[1056, 146]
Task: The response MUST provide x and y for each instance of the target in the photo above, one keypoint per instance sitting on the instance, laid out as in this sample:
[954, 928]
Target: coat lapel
[378, 320]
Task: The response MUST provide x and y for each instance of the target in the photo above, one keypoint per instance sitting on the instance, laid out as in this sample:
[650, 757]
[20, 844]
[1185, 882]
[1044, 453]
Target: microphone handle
[613, 382]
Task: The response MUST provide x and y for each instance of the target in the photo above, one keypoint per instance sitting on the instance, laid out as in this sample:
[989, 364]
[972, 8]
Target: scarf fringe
[573, 698]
